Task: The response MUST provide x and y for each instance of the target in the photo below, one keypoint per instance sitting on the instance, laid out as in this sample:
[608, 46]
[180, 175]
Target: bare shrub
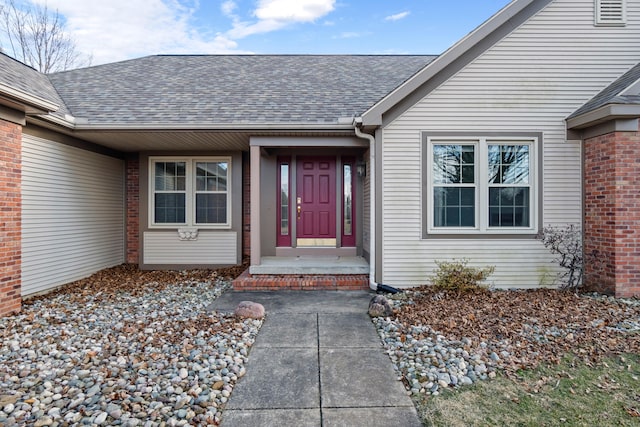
[566, 243]
[458, 277]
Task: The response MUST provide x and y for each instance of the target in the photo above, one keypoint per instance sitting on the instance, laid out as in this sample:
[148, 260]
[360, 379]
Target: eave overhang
[210, 127]
[184, 137]
[25, 102]
[604, 114]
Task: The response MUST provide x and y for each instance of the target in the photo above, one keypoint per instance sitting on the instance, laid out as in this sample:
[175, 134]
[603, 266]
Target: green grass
[570, 394]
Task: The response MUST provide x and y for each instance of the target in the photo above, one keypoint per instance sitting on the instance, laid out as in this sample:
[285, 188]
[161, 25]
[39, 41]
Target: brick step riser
[346, 282]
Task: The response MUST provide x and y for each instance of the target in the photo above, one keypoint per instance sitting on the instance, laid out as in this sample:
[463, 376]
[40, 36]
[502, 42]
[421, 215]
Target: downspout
[357, 123]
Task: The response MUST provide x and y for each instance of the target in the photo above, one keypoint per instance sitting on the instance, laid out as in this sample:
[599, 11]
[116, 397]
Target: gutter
[357, 123]
[373, 285]
[33, 104]
[80, 126]
[602, 114]
[83, 125]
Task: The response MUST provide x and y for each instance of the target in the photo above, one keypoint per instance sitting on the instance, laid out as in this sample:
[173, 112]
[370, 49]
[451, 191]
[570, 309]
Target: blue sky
[121, 29]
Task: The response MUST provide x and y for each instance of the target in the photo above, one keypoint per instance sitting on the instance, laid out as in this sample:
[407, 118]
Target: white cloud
[351, 35]
[228, 7]
[293, 10]
[273, 15]
[397, 16]
[241, 29]
[118, 29]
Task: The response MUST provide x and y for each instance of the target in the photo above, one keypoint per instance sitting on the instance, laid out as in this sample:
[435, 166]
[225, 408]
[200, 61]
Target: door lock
[298, 207]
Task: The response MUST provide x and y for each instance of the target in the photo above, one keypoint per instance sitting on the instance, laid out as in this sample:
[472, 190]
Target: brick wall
[612, 212]
[10, 217]
[133, 208]
[246, 205]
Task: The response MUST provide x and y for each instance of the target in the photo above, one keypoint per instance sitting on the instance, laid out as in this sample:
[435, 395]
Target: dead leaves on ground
[634, 412]
[129, 279]
[533, 326]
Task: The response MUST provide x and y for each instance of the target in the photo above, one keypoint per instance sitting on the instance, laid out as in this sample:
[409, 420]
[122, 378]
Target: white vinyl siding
[210, 247]
[72, 213]
[530, 81]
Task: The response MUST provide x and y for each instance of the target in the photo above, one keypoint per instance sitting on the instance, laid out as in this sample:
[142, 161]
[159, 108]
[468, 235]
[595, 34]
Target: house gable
[529, 81]
[452, 61]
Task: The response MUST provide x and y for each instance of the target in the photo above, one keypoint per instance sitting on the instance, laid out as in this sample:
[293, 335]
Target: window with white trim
[480, 185]
[192, 191]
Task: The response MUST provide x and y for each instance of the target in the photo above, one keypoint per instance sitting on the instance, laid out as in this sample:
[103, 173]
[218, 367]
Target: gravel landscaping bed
[123, 347]
[133, 348]
[439, 340]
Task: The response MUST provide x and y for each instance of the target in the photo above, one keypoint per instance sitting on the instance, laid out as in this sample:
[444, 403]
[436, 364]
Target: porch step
[311, 265]
[273, 282]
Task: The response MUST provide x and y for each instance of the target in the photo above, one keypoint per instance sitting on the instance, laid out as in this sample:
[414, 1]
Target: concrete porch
[311, 265]
[305, 273]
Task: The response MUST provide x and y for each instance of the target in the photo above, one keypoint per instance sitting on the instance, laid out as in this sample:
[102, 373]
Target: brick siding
[10, 217]
[133, 209]
[612, 213]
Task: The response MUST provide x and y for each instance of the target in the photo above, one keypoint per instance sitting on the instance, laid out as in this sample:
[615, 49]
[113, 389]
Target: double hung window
[190, 191]
[480, 185]
[509, 185]
[454, 185]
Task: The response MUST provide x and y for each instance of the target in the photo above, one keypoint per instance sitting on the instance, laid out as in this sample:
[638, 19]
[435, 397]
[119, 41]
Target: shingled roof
[232, 89]
[28, 80]
[612, 93]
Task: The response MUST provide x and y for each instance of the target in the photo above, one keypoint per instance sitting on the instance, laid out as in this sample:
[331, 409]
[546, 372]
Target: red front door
[316, 201]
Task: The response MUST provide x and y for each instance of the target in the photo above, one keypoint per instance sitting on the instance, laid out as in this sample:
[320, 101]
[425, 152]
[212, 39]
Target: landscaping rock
[114, 349]
[379, 307]
[438, 340]
[249, 309]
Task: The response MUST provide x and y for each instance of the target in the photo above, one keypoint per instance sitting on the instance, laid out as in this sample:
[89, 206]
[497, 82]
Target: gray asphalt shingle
[28, 80]
[233, 89]
[611, 94]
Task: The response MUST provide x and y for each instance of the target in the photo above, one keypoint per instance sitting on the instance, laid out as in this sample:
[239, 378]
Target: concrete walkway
[317, 361]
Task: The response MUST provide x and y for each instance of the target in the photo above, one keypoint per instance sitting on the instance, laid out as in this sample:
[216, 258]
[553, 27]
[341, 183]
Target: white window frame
[190, 192]
[482, 185]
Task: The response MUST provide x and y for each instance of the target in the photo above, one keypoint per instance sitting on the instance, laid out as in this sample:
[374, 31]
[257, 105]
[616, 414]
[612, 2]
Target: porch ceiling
[189, 139]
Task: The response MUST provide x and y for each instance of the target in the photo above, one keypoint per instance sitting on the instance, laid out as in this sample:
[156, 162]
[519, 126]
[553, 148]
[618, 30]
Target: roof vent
[610, 12]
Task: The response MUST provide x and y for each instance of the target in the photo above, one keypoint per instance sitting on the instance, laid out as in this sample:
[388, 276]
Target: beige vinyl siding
[517, 265]
[528, 82]
[211, 247]
[366, 205]
[72, 213]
